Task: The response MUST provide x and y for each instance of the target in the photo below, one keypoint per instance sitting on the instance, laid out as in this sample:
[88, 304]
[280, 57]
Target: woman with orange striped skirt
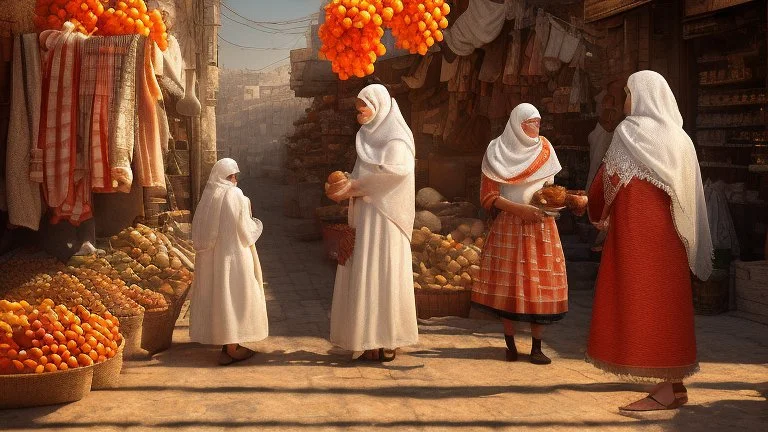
[522, 273]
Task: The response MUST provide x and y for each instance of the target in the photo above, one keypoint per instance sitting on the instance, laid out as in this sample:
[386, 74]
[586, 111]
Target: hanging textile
[66, 185]
[720, 222]
[512, 64]
[23, 194]
[554, 45]
[419, 76]
[493, 61]
[480, 24]
[568, 48]
[448, 70]
[123, 111]
[149, 156]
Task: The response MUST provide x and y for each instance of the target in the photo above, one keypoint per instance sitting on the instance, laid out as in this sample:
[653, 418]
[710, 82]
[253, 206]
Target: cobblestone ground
[453, 379]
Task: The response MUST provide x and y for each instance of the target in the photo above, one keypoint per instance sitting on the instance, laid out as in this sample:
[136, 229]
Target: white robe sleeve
[249, 229]
[397, 164]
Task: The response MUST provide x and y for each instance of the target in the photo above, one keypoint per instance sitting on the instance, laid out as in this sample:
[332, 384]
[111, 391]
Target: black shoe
[538, 357]
[511, 354]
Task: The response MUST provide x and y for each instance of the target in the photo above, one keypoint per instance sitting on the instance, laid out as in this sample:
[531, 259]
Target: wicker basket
[106, 375]
[439, 303]
[711, 297]
[52, 388]
[155, 336]
[157, 331]
[130, 328]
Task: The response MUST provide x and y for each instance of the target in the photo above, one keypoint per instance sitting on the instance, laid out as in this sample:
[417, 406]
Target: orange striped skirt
[522, 273]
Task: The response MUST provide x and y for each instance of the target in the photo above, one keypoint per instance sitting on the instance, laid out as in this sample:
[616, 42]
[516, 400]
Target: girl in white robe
[228, 305]
[373, 306]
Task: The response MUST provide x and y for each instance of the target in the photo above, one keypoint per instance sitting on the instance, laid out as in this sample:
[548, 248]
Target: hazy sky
[264, 33]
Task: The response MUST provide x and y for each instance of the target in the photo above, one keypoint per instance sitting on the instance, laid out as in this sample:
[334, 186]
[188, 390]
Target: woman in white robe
[228, 305]
[373, 300]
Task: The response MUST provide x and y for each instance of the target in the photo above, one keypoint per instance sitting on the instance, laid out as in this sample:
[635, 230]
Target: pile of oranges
[96, 17]
[352, 32]
[48, 338]
[420, 25]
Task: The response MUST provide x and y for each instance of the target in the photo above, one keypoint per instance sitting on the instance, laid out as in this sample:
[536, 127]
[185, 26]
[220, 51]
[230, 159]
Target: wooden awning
[595, 10]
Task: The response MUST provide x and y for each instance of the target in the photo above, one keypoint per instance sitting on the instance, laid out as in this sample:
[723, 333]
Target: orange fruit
[30, 364]
[18, 365]
[39, 369]
[84, 360]
[94, 355]
[72, 362]
[63, 366]
[55, 359]
[35, 352]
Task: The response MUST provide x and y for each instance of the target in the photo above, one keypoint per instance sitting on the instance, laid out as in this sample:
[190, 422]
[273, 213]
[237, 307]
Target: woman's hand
[531, 214]
[526, 212]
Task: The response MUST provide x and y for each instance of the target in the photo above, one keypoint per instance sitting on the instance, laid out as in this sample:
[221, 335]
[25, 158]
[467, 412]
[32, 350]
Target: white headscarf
[385, 159]
[205, 224]
[651, 144]
[513, 151]
[387, 124]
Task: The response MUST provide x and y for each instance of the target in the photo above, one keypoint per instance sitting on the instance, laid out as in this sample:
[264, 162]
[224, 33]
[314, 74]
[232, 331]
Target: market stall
[97, 167]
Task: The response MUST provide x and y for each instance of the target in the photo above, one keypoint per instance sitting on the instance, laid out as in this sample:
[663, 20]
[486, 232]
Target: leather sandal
[384, 358]
[241, 354]
[649, 403]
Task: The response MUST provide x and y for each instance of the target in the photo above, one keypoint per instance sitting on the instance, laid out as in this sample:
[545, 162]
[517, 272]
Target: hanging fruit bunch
[420, 25]
[96, 17]
[351, 36]
[352, 32]
[50, 338]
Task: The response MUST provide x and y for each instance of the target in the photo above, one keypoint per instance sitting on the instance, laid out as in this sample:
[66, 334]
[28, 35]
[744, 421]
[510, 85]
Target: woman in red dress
[522, 273]
[649, 197]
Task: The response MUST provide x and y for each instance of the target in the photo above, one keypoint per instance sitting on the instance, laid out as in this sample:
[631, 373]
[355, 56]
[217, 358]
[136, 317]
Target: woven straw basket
[155, 336]
[130, 329]
[106, 375]
[51, 388]
[439, 303]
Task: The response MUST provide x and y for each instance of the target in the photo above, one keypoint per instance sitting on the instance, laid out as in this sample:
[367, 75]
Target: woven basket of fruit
[155, 334]
[52, 388]
[442, 302]
[47, 351]
[130, 329]
[106, 375]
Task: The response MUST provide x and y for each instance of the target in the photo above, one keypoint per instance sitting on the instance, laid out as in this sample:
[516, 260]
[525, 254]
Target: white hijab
[387, 124]
[205, 224]
[513, 151]
[651, 144]
[385, 159]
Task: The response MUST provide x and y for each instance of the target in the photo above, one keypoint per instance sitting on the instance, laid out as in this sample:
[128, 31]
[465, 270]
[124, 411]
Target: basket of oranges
[48, 352]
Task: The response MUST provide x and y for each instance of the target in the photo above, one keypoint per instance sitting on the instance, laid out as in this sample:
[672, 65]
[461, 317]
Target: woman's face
[233, 179]
[628, 102]
[531, 127]
[364, 114]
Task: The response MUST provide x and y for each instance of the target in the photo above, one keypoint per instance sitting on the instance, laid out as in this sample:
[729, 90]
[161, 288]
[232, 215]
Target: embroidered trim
[619, 163]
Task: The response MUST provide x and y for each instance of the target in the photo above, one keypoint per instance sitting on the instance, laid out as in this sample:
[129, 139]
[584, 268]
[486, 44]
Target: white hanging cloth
[480, 24]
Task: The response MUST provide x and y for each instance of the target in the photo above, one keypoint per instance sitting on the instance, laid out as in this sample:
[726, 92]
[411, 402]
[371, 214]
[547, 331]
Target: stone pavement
[454, 379]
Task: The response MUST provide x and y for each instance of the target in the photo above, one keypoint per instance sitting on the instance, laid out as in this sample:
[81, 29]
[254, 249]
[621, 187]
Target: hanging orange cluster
[351, 36]
[420, 25]
[352, 32]
[95, 17]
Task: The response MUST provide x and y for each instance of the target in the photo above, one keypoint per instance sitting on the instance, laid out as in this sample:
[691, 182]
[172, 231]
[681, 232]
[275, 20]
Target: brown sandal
[649, 403]
[384, 358]
[225, 359]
